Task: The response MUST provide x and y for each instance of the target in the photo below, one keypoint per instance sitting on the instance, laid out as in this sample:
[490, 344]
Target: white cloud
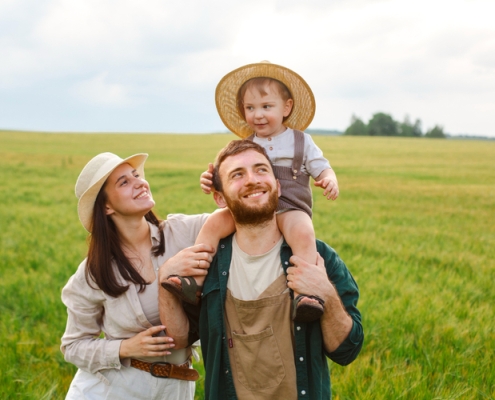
[100, 91]
[431, 59]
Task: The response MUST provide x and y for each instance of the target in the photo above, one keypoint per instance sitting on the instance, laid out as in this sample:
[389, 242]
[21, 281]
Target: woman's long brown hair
[105, 247]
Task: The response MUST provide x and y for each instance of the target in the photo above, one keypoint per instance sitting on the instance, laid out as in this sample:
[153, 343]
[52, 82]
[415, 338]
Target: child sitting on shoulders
[271, 105]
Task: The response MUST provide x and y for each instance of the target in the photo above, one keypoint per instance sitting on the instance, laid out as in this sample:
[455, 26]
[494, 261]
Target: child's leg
[220, 224]
[298, 231]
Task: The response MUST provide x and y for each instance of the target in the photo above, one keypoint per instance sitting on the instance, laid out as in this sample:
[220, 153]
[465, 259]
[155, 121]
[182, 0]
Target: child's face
[265, 113]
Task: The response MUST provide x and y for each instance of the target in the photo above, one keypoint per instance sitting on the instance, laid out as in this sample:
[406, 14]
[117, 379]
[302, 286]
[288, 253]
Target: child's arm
[218, 225]
[327, 180]
[206, 180]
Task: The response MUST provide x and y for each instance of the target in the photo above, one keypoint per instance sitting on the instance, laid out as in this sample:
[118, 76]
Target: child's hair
[259, 84]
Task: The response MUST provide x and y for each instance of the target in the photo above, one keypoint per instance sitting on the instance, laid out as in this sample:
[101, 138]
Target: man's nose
[251, 177]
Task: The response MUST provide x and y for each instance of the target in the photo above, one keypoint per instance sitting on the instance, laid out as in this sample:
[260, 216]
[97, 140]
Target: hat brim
[303, 109]
[87, 200]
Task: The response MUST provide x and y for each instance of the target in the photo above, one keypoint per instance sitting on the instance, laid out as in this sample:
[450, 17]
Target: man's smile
[256, 194]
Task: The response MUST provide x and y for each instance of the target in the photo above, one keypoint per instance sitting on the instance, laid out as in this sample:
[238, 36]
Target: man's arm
[336, 323]
[341, 322]
[172, 312]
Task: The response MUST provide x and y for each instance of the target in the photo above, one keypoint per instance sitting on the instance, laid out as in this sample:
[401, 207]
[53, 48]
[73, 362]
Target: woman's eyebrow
[123, 176]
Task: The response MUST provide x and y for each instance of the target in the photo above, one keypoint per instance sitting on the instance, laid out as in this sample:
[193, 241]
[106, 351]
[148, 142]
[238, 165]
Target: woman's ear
[218, 197]
[109, 210]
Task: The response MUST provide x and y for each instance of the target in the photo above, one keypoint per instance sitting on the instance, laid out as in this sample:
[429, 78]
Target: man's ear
[279, 189]
[218, 197]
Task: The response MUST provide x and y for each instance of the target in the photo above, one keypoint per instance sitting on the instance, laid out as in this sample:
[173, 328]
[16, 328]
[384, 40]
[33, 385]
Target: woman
[123, 332]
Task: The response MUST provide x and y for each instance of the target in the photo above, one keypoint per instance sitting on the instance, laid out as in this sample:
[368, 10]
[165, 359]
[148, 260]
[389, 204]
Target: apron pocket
[258, 359]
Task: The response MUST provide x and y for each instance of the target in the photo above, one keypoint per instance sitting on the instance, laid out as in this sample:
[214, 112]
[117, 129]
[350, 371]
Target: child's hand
[206, 180]
[330, 186]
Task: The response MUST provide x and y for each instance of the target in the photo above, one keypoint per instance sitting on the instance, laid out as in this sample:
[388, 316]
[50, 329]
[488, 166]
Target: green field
[415, 223]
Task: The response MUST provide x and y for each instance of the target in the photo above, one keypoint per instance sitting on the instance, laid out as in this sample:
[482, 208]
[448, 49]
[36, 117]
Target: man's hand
[306, 278]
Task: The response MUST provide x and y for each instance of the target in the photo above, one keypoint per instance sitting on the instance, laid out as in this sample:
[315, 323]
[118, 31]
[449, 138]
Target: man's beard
[253, 215]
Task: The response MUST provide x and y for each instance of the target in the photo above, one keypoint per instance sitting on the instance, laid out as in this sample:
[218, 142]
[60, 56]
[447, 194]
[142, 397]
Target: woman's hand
[146, 344]
[192, 261]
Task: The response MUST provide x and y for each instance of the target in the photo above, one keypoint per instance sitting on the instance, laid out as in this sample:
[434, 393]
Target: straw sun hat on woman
[93, 177]
[303, 109]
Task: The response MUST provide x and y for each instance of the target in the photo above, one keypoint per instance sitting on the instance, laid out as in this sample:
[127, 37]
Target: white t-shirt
[249, 276]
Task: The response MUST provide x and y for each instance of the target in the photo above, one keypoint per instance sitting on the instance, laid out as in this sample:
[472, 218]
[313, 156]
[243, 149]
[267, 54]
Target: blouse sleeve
[181, 231]
[81, 342]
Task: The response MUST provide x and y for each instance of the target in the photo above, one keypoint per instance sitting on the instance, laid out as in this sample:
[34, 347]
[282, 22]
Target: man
[251, 347]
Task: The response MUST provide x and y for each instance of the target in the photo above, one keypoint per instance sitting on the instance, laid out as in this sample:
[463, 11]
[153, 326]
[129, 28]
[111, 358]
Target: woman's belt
[167, 370]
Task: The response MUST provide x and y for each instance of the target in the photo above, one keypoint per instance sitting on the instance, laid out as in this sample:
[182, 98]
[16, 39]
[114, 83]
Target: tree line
[382, 124]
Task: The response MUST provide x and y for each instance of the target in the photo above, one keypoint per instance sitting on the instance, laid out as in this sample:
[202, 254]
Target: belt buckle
[152, 371]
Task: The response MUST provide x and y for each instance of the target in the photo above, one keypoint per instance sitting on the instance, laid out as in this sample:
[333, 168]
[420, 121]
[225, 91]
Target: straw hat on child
[303, 109]
[94, 175]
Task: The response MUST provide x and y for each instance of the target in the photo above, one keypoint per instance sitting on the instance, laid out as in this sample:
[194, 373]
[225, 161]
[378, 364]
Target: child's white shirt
[280, 149]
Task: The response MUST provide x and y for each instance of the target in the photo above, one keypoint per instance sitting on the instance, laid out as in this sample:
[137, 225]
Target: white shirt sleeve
[314, 161]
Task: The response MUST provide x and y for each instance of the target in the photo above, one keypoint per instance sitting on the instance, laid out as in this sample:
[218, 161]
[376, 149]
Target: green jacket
[313, 377]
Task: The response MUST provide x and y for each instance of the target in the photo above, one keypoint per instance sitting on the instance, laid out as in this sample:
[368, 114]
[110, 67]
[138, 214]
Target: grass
[414, 223]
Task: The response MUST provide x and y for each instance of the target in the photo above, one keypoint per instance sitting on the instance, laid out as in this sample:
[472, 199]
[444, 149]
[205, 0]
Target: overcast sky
[152, 65]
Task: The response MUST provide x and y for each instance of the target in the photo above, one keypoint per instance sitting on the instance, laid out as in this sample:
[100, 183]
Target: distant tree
[382, 125]
[417, 128]
[407, 128]
[435, 132]
[357, 127]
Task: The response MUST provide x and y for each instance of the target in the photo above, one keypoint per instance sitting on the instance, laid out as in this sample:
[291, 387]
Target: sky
[153, 65]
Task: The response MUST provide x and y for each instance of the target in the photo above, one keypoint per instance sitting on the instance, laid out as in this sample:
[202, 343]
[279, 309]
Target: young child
[271, 105]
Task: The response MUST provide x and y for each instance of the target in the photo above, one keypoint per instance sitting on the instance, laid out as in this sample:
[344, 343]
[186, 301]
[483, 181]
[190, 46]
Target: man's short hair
[233, 148]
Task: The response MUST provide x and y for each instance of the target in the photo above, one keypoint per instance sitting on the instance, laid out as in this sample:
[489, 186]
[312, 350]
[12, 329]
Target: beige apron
[260, 344]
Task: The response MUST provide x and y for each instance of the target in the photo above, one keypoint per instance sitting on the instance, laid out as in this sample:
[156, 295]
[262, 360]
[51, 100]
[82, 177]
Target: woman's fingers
[154, 330]
[147, 343]
[194, 260]
[202, 248]
[154, 343]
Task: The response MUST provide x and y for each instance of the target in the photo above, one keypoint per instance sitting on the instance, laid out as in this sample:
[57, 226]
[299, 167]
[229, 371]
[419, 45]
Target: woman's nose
[138, 182]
